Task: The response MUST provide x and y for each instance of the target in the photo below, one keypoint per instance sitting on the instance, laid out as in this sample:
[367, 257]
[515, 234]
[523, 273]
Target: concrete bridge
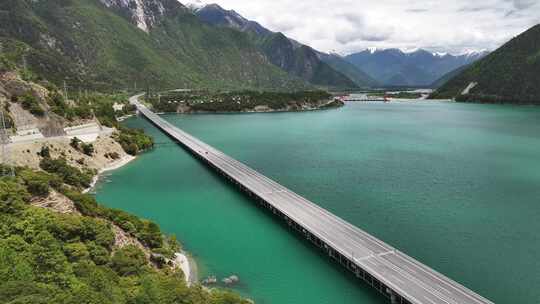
[395, 275]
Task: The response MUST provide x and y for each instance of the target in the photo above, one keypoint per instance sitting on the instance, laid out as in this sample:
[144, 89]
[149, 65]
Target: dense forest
[216, 101]
[50, 257]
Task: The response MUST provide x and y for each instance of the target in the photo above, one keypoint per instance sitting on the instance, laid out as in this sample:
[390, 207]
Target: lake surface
[456, 186]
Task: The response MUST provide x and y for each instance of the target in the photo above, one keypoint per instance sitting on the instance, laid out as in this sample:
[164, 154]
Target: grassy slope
[510, 74]
[92, 46]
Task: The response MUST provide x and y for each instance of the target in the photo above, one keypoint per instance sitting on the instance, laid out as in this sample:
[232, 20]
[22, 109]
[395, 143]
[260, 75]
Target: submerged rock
[210, 280]
[230, 280]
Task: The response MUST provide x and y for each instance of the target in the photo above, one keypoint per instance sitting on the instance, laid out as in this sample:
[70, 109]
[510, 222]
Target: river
[457, 186]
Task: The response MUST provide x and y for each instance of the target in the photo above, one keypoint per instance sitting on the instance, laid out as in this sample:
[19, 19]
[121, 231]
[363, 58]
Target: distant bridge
[395, 275]
[364, 97]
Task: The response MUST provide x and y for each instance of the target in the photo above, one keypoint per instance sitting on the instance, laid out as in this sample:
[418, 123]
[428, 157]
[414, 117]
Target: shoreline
[252, 111]
[122, 118]
[182, 259]
[112, 166]
[188, 266]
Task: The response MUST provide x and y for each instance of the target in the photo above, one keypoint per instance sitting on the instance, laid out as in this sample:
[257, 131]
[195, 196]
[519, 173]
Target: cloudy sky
[346, 26]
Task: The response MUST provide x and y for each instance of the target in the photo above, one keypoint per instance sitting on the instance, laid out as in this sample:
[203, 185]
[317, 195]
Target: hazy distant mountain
[511, 74]
[448, 76]
[297, 59]
[354, 73]
[418, 68]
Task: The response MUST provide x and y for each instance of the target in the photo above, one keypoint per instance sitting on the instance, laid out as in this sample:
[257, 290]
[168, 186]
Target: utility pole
[4, 137]
[65, 91]
[25, 65]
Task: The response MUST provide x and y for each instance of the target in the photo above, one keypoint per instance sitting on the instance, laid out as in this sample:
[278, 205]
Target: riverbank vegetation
[52, 257]
[219, 101]
[133, 141]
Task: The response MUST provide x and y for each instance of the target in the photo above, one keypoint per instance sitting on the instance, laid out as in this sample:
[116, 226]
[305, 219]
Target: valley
[393, 158]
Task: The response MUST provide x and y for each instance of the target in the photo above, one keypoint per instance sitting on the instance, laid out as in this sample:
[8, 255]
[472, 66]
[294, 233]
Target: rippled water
[456, 186]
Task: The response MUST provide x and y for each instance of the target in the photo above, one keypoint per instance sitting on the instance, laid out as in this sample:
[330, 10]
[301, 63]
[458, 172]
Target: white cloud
[350, 25]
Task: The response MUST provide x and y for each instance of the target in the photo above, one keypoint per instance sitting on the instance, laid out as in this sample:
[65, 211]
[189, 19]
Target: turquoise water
[456, 186]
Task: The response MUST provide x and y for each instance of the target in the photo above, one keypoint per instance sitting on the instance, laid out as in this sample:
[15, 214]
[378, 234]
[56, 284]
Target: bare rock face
[11, 85]
[57, 202]
[143, 13]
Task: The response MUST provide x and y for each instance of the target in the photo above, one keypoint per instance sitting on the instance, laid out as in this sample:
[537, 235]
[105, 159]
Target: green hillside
[448, 76]
[90, 45]
[293, 57]
[47, 257]
[511, 74]
[302, 62]
[338, 63]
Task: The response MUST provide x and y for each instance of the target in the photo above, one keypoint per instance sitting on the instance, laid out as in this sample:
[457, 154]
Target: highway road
[405, 279]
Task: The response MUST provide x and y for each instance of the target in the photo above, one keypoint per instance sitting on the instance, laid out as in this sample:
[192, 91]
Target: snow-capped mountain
[218, 16]
[288, 54]
[474, 53]
[194, 5]
[413, 67]
[143, 13]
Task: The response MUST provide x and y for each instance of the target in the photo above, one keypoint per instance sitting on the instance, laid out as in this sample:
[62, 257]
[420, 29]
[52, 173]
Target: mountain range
[297, 59]
[511, 74]
[369, 68]
[111, 44]
[394, 67]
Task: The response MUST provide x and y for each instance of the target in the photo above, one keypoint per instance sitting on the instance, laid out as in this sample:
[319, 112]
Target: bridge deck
[409, 280]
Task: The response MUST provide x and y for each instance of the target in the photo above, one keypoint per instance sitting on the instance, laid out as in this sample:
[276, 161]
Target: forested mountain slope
[82, 252]
[297, 59]
[511, 74]
[303, 62]
[109, 44]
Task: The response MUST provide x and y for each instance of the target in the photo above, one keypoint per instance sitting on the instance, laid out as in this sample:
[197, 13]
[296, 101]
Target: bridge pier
[393, 298]
[243, 177]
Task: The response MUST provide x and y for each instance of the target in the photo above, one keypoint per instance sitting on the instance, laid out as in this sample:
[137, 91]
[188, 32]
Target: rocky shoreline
[110, 167]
